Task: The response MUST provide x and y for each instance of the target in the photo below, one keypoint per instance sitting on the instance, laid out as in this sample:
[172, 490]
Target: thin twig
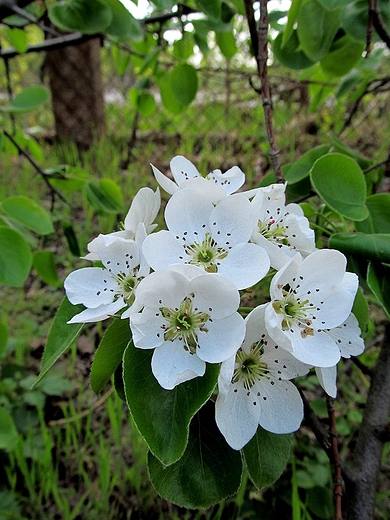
[338, 480]
[53, 191]
[24, 14]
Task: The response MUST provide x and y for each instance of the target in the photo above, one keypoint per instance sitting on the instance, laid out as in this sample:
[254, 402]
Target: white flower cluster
[179, 288]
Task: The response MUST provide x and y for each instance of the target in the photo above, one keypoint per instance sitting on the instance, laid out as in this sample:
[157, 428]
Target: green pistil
[272, 231]
[250, 368]
[206, 254]
[127, 283]
[294, 311]
[184, 323]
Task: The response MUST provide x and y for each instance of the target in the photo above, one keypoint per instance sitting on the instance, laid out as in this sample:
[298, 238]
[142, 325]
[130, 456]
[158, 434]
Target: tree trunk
[77, 92]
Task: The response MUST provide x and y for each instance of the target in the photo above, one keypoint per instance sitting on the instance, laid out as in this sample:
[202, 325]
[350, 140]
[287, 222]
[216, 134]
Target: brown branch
[364, 469]
[336, 462]
[260, 47]
[378, 23]
[53, 191]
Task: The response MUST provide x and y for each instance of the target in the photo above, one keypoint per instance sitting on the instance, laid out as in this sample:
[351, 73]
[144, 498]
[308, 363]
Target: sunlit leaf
[29, 213]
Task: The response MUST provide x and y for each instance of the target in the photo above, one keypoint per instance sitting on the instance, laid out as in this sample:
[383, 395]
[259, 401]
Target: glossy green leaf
[300, 169]
[8, 432]
[109, 353]
[183, 48]
[184, 83]
[341, 147]
[208, 472]
[85, 16]
[317, 28]
[290, 55]
[266, 456]
[163, 416]
[227, 44]
[211, 8]
[354, 18]
[123, 24]
[61, 335]
[374, 247]
[340, 183]
[378, 279]
[342, 56]
[15, 258]
[105, 196]
[17, 38]
[29, 213]
[379, 219]
[27, 100]
[45, 266]
[291, 19]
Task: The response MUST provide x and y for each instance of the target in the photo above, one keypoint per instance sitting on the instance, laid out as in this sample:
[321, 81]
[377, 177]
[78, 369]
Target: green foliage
[27, 100]
[88, 17]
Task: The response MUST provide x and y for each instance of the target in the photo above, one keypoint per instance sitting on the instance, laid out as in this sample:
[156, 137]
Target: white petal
[327, 379]
[91, 286]
[162, 249]
[167, 184]
[225, 375]
[214, 295]
[245, 265]
[206, 188]
[162, 289]
[232, 221]
[182, 169]
[333, 309]
[172, 365]
[318, 350]
[187, 215]
[144, 208]
[236, 416]
[223, 339]
[120, 256]
[347, 337]
[281, 407]
[230, 181]
[325, 267]
[284, 276]
[279, 255]
[146, 329]
[98, 313]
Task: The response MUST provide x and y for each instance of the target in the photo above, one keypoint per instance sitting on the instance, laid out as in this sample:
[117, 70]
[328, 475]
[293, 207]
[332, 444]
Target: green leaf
[184, 83]
[374, 247]
[29, 213]
[378, 279]
[334, 4]
[354, 18]
[142, 101]
[123, 24]
[183, 48]
[27, 100]
[71, 238]
[15, 258]
[163, 416]
[168, 98]
[61, 335]
[109, 353]
[292, 18]
[288, 52]
[8, 432]
[342, 56]
[361, 310]
[210, 8]
[85, 16]
[66, 178]
[339, 146]
[340, 183]
[300, 169]
[45, 266]
[227, 44]
[208, 472]
[317, 28]
[18, 39]
[105, 197]
[266, 456]
[379, 219]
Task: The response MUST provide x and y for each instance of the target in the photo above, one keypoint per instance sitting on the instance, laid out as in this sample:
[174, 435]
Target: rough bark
[77, 92]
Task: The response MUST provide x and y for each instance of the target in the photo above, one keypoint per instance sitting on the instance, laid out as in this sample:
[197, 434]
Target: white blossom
[281, 230]
[214, 238]
[254, 387]
[189, 318]
[104, 291]
[308, 297]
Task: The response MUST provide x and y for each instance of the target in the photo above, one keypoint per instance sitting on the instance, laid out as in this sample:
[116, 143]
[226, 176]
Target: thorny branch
[259, 38]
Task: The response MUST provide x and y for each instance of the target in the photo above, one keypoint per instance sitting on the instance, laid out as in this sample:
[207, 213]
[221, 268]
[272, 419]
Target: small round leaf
[85, 16]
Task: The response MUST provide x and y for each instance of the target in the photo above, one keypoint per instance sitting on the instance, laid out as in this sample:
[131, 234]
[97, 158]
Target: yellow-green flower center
[249, 366]
[206, 254]
[294, 311]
